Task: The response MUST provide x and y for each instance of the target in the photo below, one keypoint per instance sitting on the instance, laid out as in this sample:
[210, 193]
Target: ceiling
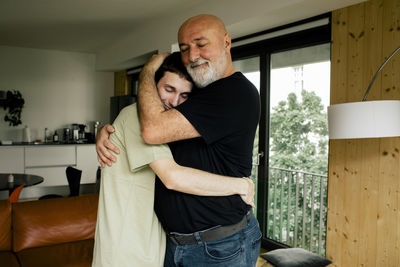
[77, 25]
[93, 25]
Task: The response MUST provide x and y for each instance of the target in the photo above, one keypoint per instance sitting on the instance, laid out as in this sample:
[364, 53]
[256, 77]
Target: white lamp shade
[368, 119]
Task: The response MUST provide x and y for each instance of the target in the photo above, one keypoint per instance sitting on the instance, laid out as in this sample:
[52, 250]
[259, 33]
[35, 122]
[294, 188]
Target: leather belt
[211, 234]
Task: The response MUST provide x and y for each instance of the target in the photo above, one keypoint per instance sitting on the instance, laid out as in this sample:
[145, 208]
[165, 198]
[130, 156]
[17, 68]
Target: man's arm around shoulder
[159, 126]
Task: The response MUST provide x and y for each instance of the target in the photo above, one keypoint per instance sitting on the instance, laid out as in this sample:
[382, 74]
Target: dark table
[19, 179]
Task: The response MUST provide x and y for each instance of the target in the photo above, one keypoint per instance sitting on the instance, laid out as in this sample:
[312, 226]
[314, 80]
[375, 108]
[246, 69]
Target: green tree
[298, 134]
[298, 142]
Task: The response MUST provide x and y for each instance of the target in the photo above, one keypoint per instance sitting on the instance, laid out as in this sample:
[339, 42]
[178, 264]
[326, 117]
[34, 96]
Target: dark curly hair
[172, 63]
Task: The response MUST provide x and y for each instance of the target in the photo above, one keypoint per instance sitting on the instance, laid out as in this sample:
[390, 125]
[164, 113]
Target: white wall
[59, 88]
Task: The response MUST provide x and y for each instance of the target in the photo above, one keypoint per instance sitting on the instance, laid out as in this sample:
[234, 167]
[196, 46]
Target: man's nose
[174, 101]
[194, 54]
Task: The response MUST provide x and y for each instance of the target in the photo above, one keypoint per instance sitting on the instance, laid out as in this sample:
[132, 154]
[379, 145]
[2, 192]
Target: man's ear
[227, 41]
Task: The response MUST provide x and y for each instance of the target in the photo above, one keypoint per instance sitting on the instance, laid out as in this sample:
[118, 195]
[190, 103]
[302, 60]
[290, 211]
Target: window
[292, 73]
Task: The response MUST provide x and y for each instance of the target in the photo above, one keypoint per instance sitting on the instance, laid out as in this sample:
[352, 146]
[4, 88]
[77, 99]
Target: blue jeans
[238, 250]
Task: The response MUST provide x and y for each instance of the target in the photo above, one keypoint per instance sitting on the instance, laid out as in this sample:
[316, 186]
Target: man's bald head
[205, 21]
[205, 48]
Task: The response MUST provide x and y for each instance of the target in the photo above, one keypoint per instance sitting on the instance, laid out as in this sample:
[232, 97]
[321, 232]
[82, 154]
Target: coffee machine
[67, 135]
[75, 134]
[81, 132]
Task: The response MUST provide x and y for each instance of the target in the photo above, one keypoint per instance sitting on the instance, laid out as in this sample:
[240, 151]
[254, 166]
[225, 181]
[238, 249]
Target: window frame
[264, 48]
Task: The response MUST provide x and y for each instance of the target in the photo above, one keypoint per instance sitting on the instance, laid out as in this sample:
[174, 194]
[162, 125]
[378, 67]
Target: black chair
[74, 182]
[98, 178]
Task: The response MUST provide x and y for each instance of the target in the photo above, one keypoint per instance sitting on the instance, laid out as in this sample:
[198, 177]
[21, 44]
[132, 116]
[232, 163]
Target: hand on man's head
[155, 61]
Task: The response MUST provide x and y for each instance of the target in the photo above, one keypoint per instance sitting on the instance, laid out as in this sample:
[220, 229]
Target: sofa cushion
[7, 258]
[294, 257]
[74, 254]
[54, 221]
[5, 225]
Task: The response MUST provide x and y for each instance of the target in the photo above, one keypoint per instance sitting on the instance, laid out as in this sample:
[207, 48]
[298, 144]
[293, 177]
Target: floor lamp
[365, 119]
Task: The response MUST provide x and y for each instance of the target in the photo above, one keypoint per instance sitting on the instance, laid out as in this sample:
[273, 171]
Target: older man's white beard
[204, 75]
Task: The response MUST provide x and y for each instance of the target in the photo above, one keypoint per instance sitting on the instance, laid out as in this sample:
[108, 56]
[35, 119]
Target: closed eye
[169, 89]
[185, 96]
[183, 48]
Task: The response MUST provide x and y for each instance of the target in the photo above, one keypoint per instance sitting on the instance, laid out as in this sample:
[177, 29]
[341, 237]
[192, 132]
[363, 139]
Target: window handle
[259, 156]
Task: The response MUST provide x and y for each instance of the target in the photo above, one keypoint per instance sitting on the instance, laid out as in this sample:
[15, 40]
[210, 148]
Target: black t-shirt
[226, 114]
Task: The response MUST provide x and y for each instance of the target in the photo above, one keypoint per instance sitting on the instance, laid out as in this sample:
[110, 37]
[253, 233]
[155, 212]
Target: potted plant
[13, 103]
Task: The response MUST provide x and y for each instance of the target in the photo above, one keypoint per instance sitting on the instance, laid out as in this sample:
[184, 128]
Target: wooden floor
[261, 262]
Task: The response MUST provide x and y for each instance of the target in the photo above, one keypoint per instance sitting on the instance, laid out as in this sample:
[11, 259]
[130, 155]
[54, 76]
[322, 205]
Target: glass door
[298, 147]
[290, 160]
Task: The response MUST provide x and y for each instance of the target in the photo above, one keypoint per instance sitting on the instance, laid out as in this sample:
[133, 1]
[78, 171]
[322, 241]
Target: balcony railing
[297, 209]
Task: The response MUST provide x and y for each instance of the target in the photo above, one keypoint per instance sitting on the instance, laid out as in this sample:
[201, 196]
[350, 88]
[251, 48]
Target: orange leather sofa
[52, 232]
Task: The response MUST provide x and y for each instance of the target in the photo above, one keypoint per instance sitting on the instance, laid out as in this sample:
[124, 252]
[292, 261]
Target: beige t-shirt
[128, 232]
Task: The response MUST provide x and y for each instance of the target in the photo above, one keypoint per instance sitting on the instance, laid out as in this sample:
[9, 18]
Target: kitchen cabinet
[45, 156]
[12, 160]
[53, 176]
[50, 161]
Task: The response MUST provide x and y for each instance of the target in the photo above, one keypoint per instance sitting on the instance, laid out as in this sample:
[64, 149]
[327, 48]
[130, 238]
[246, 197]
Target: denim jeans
[238, 250]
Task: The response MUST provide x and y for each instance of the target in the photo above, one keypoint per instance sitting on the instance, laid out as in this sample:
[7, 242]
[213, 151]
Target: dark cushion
[294, 257]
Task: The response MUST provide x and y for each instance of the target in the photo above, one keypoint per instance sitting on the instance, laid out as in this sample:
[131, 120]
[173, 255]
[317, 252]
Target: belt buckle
[174, 239]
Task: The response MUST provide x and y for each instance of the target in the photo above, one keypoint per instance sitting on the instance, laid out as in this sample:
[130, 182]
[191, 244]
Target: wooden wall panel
[357, 54]
[391, 40]
[368, 213]
[339, 56]
[363, 227]
[122, 83]
[335, 217]
[352, 205]
[373, 30]
[387, 253]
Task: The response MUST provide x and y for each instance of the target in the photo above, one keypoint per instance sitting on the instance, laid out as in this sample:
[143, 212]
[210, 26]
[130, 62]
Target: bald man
[213, 131]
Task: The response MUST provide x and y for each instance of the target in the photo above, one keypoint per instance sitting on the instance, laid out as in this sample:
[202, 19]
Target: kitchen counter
[49, 160]
[47, 143]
